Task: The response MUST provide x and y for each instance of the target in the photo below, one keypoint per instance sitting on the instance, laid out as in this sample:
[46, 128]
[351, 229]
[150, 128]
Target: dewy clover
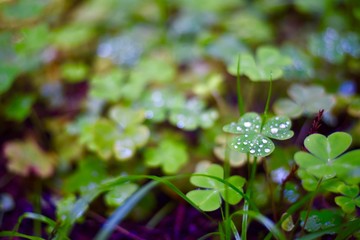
[254, 135]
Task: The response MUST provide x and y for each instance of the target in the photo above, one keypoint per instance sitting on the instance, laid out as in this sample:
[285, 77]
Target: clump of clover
[328, 165]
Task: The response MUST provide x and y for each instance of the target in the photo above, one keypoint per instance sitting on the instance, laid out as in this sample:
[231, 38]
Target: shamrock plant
[255, 133]
[305, 100]
[326, 158]
[350, 198]
[171, 155]
[118, 136]
[187, 114]
[268, 60]
[210, 197]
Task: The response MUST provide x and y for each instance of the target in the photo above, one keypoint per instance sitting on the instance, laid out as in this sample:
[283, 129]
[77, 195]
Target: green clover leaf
[326, 159]
[171, 155]
[322, 219]
[255, 138]
[351, 198]
[118, 136]
[117, 196]
[209, 199]
[268, 61]
[307, 100]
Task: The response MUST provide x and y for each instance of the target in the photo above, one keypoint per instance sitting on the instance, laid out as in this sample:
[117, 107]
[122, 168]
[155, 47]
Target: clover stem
[267, 102]
[246, 204]
[310, 205]
[238, 88]
[227, 206]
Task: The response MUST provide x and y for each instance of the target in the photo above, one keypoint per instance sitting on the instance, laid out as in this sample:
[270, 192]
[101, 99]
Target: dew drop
[274, 130]
[252, 151]
[247, 124]
[282, 125]
[264, 141]
[267, 150]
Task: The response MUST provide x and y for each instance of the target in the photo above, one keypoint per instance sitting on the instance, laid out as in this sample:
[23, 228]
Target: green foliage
[322, 219]
[268, 62]
[19, 107]
[326, 159]
[118, 136]
[74, 71]
[90, 171]
[170, 155]
[255, 135]
[305, 100]
[350, 198]
[209, 198]
[26, 157]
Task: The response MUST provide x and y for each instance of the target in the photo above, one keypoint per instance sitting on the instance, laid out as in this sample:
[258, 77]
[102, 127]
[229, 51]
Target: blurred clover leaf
[333, 46]
[18, 107]
[210, 85]
[170, 155]
[268, 61]
[154, 69]
[301, 67]
[23, 9]
[108, 86]
[193, 115]
[157, 103]
[74, 71]
[118, 136]
[224, 46]
[326, 158]
[90, 170]
[7, 76]
[307, 100]
[209, 198]
[250, 27]
[117, 196]
[351, 198]
[26, 157]
[32, 39]
[322, 219]
[255, 135]
[72, 36]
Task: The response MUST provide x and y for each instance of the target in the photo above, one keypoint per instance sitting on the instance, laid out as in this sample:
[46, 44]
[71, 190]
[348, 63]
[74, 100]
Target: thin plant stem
[246, 204]
[37, 207]
[310, 205]
[227, 206]
[238, 88]
[267, 102]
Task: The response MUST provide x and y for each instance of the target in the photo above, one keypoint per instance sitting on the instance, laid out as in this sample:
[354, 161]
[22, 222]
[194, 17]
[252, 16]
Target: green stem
[37, 208]
[246, 204]
[310, 205]
[267, 102]
[238, 88]
[227, 206]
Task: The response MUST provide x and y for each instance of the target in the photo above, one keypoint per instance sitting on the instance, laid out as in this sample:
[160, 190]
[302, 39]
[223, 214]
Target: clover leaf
[268, 61]
[171, 155]
[255, 138]
[193, 115]
[322, 219]
[26, 157]
[209, 198]
[158, 102]
[118, 136]
[307, 100]
[350, 200]
[325, 158]
[107, 86]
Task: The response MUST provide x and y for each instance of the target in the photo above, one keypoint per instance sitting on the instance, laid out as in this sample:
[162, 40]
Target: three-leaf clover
[325, 158]
[255, 137]
[268, 61]
[209, 198]
[351, 198]
[171, 155]
[305, 100]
